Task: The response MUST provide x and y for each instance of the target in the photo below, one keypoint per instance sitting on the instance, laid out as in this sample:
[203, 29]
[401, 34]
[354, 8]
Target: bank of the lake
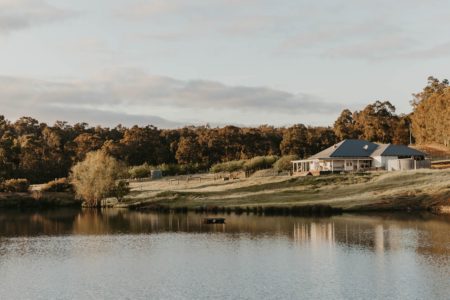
[39, 200]
[266, 193]
[379, 191]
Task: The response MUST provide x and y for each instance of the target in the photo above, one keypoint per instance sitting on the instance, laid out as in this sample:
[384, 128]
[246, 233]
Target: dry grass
[436, 151]
[395, 190]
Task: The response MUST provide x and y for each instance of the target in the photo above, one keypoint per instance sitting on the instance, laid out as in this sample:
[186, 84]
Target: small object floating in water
[214, 220]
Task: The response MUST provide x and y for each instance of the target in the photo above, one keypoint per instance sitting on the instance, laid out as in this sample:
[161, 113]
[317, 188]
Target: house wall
[408, 164]
[382, 161]
[376, 162]
[344, 164]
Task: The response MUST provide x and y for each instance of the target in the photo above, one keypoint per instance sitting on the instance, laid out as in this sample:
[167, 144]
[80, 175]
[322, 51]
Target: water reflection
[426, 233]
[119, 254]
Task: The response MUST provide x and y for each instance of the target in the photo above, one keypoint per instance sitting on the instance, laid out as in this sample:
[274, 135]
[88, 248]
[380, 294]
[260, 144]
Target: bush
[229, 166]
[260, 162]
[169, 169]
[15, 185]
[58, 185]
[192, 168]
[174, 169]
[142, 171]
[284, 163]
[253, 164]
[121, 189]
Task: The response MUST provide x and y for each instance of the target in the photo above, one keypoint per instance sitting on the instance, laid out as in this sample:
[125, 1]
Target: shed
[156, 174]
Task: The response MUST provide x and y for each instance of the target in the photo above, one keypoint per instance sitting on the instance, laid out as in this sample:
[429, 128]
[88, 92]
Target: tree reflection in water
[377, 232]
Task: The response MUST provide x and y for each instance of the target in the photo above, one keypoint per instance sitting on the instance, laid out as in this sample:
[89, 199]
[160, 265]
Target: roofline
[407, 146]
[334, 158]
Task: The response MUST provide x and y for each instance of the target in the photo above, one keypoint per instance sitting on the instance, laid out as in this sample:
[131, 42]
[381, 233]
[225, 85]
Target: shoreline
[423, 190]
[32, 200]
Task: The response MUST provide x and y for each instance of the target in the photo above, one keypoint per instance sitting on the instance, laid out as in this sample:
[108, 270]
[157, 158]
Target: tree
[188, 151]
[142, 144]
[295, 141]
[431, 113]
[376, 122]
[344, 127]
[319, 138]
[87, 142]
[95, 177]
[401, 130]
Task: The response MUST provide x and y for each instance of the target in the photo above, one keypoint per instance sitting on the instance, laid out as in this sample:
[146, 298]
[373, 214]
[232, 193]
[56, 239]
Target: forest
[40, 152]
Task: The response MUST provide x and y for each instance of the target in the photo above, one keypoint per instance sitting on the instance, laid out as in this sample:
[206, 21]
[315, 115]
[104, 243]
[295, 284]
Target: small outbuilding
[156, 174]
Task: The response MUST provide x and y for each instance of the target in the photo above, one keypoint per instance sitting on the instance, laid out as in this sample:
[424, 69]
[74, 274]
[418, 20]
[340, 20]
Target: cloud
[140, 10]
[386, 47]
[125, 94]
[439, 50]
[376, 30]
[92, 45]
[367, 41]
[362, 39]
[255, 24]
[21, 14]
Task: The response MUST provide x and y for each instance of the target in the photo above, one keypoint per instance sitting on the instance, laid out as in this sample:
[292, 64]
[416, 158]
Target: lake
[119, 254]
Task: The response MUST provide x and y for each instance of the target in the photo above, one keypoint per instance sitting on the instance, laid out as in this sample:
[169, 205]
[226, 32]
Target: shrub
[20, 185]
[175, 169]
[253, 164]
[284, 163]
[169, 169]
[229, 166]
[58, 185]
[260, 162]
[192, 168]
[121, 189]
[141, 171]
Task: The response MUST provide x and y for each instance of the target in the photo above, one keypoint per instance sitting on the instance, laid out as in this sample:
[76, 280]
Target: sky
[172, 63]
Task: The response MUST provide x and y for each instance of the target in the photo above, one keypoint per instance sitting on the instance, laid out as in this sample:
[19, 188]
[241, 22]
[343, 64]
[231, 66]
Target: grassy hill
[411, 190]
[436, 151]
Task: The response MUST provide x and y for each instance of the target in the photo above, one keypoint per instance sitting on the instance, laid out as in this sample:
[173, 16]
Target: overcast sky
[246, 62]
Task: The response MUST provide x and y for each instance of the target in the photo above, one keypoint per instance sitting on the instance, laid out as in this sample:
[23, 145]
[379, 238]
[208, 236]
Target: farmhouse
[361, 155]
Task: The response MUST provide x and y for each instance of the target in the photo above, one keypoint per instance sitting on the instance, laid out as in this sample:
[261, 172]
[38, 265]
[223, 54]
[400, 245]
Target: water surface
[114, 254]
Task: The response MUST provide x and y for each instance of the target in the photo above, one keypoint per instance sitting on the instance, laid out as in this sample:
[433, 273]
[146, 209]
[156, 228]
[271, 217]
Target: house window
[349, 164]
[365, 164]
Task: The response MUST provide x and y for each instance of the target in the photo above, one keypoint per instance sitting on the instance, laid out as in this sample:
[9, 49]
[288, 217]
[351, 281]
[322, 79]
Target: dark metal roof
[401, 150]
[348, 148]
[362, 148]
[355, 148]
[327, 152]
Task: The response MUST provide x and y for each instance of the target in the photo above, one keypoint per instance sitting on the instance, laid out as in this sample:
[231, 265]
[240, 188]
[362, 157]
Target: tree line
[40, 152]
